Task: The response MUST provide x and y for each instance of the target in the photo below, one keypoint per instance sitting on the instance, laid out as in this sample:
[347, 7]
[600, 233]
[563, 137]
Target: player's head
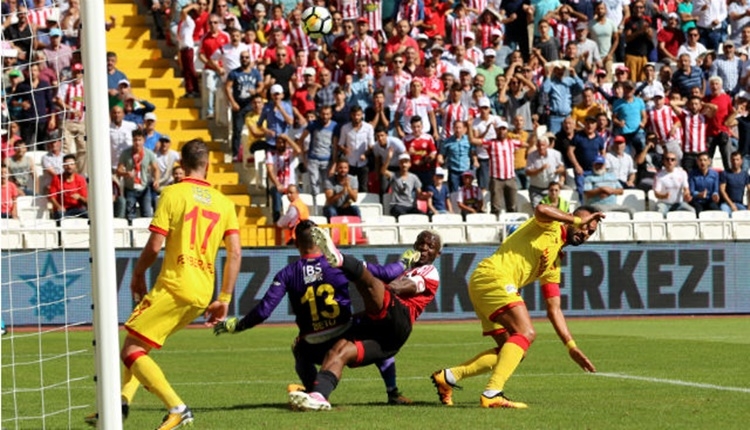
[429, 245]
[578, 235]
[303, 233]
[195, 158]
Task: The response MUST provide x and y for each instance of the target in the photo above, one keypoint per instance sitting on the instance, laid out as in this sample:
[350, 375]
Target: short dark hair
[415, 118]
[194, 155]
[138, 133]
[381, 129]
[303, 234]
[69, 157]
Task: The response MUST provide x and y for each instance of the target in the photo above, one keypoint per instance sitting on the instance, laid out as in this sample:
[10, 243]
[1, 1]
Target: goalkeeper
[320, 300]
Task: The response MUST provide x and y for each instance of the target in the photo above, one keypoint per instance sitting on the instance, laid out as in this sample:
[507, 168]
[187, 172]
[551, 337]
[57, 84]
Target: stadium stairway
[155, 78]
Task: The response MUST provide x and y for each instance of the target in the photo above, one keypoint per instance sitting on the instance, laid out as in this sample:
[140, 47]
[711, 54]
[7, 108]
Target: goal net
[48, 361]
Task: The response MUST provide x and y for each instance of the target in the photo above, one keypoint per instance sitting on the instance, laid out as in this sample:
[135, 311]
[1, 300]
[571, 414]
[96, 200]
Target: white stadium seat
[450, 227]
[616, 226]
[715, 225]
[121, 233]
[74, 233]
[649, 226]
[635, 199]
[39, 233]
[523, 202]
[482, 228]
[140, 231]
[410, 225]
[381, 231]
[741, 224]
[682, 225]
[10, 234]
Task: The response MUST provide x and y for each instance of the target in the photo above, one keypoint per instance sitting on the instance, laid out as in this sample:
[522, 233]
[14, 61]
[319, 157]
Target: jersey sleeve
[160, 223]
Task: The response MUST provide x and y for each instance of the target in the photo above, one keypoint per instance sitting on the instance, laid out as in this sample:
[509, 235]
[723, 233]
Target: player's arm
[551, 294]
[546, 213]
[217, 310]
[147, 258]
[257, 314]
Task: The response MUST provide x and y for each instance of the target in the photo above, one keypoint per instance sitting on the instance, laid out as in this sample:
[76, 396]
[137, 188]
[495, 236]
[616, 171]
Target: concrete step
[242, 200]
[232, 189]
[120, 10]
[226, 178]
[188, 124]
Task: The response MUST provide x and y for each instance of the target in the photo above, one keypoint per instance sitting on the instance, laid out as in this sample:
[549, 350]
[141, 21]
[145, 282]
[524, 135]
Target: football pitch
[653, 373]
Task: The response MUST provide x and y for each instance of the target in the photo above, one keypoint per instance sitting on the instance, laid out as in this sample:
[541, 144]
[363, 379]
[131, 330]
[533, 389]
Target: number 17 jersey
[195, 218]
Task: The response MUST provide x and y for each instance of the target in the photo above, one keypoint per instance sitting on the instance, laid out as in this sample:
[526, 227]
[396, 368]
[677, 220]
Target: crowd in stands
[424, 99]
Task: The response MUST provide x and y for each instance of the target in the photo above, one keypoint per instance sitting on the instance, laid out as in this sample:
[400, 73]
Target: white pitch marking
[674, 382]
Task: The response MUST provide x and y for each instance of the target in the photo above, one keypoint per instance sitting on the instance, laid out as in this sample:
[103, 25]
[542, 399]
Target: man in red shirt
[401, 41]
[434, 18]
[421, 147]
[213, 40]
[303, 98]
[670, 38]
[68, 192]
[717, 131]
[277, 41]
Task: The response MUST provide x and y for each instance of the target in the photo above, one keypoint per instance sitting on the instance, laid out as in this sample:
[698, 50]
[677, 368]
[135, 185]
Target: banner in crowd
[599, 279]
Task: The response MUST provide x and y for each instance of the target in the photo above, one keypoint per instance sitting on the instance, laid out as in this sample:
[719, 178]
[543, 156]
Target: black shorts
[381, 337]
[313, 352]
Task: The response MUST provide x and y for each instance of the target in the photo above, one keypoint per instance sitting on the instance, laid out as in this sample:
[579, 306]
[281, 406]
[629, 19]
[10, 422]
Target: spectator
[120, 134]
[455, 155]
[341, 192]
[582, 152]
[341, 112]
[303, 98]
[482, 132]
[558, 88]
[139, 172]
[71, 100]
[166, 159]
[298, 211]
[438, 195]
[212, 41]
[395, 84]
[733, 184]
[406, 188]
[587, 107]
[36, 117]
[378, 115]
[280, 72]
[324, 95]
[694, 121]
[415, 104]
[241, 85]
[704, 186]
[114, 76]
[22, 169]
[123, 92]
[712, 22]
[68, 192]
[59, 55]
[601, 189]
[421, 147]
[687, 76]
[739, 19]
[490, 71]
[281, 165]
[639, 38]
[356, 138]
[520, 153]
[386, 151]
[149, 131]
[52, 162]
[469, 198]
[553, 197]
[543, 166]
[278, 116]
[629, 118]
[621, 164]
[135, 109]
[8, 195]
[186, 45]
[717, 131]
[178, 174]
[671, 187]
[729, 68]
[670, 38]
[547, 48]
[323, 138]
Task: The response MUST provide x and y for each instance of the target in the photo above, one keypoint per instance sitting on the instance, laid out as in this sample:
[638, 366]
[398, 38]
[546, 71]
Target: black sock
[352, 268]
[325, 383]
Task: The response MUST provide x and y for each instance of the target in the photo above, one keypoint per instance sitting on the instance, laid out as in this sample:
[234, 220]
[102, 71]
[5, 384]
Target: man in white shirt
[120, 134]
[621, 163]
[711, 21]
[355, 139]
[671, 187]
[543, 166]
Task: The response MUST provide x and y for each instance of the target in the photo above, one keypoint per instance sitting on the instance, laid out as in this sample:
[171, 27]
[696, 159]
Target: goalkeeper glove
[227, 326]
[409, 258]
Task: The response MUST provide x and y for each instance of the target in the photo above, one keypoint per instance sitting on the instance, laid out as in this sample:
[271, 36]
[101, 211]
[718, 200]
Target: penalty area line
[673, 382]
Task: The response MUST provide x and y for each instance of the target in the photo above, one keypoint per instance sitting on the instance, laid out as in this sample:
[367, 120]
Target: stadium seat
[651, 200]
[141, 232]
[381, 231]
[635, 199]
[410, 225]
[74, 233]
[454, 202]
[715, 225]
[39, 233]
[122, 233]
[355, 231]
[649, 226]
[307, 199]
[482, 228]
[571, 196]
[682, 225]
[318, 219]
[523, 202]
[32, 207]
[320, 201]
[369, 205]
[10, 234]
[741, 224]
[616, 226]
[450, 227]
[511, 221]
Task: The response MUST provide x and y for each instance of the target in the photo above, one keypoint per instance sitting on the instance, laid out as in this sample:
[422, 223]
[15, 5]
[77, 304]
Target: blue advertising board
[599, 279]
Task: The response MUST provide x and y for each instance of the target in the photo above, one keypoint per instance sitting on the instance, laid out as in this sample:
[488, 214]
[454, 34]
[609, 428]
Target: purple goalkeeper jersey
[318, 293]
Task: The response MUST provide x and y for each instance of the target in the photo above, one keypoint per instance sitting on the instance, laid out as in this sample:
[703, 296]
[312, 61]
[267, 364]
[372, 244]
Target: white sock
[490, 393]
[178, 409]
[449, 378]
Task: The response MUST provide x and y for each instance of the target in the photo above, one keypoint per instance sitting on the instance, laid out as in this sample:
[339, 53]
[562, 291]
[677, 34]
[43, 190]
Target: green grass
[654, 373]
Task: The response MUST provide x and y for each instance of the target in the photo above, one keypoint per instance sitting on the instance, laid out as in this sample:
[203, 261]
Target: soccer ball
[317, 21]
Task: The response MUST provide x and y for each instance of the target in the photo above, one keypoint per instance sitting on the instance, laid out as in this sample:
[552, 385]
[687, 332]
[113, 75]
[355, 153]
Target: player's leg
[370, 288]
[344, 352]
[387, 370]
[521, 333]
